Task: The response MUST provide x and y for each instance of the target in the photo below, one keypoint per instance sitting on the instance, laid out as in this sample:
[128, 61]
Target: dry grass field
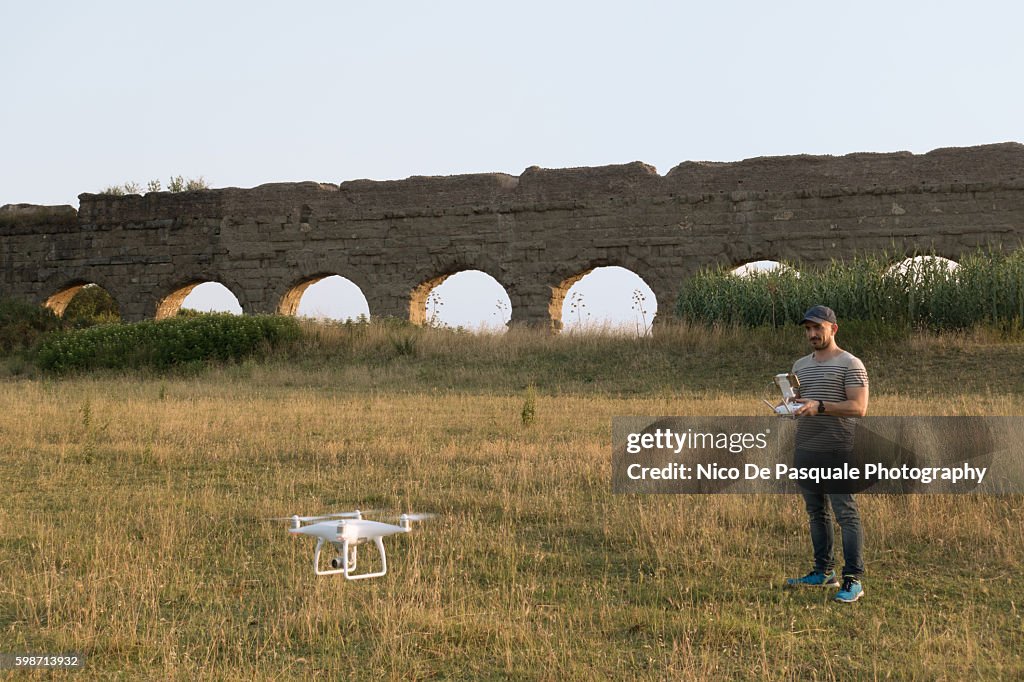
[132, 522]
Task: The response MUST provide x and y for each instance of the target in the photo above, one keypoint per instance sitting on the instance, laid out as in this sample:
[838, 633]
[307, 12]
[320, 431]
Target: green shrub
[165, 343]
[23, 324]
[90, 306]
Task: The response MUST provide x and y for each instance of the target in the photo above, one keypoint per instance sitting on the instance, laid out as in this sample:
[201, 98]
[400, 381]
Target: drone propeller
[412, 517]
[358, 513]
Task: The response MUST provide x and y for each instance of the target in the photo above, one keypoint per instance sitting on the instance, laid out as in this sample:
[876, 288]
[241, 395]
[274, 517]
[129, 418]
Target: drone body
[346, 531]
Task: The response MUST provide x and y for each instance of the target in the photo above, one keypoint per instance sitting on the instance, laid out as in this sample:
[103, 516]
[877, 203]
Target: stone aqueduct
[535, 234]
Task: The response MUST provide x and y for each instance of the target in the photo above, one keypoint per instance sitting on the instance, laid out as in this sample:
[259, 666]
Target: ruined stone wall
[533, 233]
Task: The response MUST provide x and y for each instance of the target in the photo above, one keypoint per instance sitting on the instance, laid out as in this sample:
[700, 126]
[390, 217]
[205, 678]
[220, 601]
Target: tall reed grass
[986, 288]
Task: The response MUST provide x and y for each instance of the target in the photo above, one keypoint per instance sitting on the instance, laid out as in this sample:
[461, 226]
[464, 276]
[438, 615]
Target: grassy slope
[679, 360]
[131, 526]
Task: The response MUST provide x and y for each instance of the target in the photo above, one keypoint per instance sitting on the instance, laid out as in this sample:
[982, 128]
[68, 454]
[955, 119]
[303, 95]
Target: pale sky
[243, 93]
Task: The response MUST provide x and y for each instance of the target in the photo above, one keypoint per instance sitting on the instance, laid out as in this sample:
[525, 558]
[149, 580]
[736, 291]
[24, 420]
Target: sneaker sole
[849, 601]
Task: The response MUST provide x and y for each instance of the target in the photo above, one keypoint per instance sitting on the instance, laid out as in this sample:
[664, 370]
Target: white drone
[346, 531]
[790, 387]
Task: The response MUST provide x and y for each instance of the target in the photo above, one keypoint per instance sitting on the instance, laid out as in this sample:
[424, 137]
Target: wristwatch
[821, 407]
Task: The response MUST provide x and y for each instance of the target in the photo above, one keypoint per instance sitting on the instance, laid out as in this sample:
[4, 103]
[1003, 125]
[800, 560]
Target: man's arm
[855, 405]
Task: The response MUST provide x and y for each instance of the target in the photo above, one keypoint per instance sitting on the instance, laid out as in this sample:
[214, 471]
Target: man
[833, 393]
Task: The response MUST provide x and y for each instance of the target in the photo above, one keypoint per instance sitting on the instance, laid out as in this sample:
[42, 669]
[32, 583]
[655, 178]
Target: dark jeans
[823, 531]
[843, 507]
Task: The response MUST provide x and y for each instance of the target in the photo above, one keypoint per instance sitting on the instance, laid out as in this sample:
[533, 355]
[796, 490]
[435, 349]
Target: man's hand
[808, 407]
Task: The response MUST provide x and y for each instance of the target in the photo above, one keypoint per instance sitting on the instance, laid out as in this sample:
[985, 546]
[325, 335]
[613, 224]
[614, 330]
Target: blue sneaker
[814, 579]
[851, 590]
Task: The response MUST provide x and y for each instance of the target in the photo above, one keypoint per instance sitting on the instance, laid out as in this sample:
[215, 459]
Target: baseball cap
[819, 313]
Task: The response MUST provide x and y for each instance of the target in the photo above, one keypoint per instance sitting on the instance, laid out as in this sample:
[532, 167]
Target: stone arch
[419, 296]
[58, 302]
[566, 277]
[289, 303]
[170, 304]
[643, 299]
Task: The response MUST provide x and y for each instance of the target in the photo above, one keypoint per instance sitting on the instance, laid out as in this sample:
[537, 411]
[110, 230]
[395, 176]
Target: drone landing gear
[345, 562]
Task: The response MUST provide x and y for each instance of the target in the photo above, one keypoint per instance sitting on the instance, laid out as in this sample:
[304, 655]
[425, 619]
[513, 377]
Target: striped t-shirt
[827, 381]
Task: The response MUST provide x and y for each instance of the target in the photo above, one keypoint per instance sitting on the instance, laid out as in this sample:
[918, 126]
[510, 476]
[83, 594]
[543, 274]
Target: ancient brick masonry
[536, 234]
